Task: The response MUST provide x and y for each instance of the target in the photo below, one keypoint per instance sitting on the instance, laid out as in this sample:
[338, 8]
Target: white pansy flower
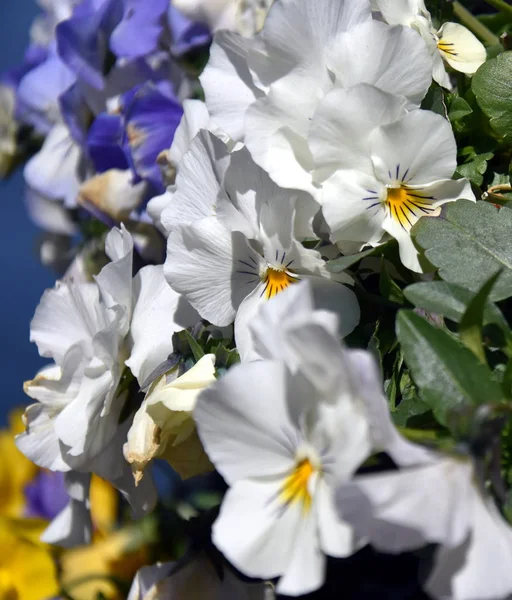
[265, 91]
[243, 16]
[192, 579]
[381, 168]
[440, 500]
[293, 328]
[452, 43]
[91, 331]
[278, 440]
[163, 427]
[227, 264]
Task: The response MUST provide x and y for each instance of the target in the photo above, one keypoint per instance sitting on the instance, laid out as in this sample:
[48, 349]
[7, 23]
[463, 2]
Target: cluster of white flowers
[311, 142]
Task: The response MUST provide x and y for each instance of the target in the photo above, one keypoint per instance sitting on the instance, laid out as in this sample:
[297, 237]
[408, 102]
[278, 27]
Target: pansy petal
[338, 138]
[227, 70]
[262, 545]
[460, 48]
[418, 149]
[232, 418]
[201, 264]
[158, 313]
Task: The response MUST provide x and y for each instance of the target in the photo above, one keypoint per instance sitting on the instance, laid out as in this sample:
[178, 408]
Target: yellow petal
[460, 48]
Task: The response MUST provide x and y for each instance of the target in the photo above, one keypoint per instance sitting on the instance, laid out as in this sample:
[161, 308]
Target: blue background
[23, 278]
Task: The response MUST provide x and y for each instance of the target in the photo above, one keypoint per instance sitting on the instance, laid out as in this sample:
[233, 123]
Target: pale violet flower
[452, 43]
[163, 427]
[91, 331]
[192, 579]
[381, 168]
[278, 440]
[264, 91]
[439, 500]
[239, 246]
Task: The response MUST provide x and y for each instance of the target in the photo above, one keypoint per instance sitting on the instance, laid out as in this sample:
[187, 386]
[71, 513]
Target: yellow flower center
[406, 205]
[276, 280]
[295, 488]
[446, 47]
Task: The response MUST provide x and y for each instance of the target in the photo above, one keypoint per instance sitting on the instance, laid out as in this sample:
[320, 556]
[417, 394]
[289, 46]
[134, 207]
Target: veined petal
[418, 149]
[419, 201]
[460, 48]
[352, 207]
[199, 181]
[203, 264]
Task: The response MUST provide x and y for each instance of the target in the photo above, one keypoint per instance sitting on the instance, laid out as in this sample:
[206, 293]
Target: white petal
[400, 12]
[49, 214]
[394, 59]
[147, 578]
[67, 315]
[244, 424]
[339, 131]
[404, 510]
[420, 147]
[352, 207]
[72, 526]
[158, 313]
[477, 570]
[202, 264]
[305, 572]
[198, 183]
[336, 536]
[385, 437]
[195, 117]
[227, 83]
[53, 171]
[460, 48]
[40, 442]
[259, 546]
[115, 279]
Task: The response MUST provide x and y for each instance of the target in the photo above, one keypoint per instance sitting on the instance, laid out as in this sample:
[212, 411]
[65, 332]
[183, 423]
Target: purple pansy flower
[46, 495]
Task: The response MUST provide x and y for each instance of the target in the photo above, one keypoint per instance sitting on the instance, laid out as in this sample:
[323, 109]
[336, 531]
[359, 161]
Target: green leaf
[388, 286]
[195, 348]
[459, 109]
[471, 324]
[446, 373]
[451, 301]
[492, 86]
[434, 101]
[475, 169]
[338, 265]
[468, 243]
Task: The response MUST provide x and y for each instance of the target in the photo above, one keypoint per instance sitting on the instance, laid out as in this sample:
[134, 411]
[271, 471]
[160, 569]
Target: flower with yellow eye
[381, 168]
[246, 250]
[452, 44]
[277, 439]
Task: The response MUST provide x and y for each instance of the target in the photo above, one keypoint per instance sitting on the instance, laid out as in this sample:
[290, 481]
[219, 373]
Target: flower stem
[501, 5]
[471, 22]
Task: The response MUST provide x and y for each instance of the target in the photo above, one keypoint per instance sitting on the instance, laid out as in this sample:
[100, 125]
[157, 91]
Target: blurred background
[23, 277]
